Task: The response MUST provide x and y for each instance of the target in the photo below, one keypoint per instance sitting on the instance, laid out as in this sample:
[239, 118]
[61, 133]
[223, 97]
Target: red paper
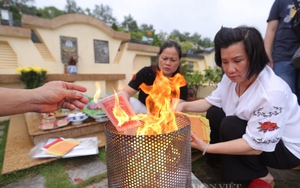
[107, 104]
[52, 143]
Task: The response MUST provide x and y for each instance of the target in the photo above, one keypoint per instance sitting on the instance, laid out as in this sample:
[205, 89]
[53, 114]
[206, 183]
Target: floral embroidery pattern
[259, 112]
[261, 141]
[267, 126]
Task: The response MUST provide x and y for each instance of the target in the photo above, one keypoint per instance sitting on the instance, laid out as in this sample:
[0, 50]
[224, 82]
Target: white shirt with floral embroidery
[270, 108]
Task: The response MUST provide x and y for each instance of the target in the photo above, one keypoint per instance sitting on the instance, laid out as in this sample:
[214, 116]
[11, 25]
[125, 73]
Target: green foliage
[156, 41]
[115, 27]
[104, 13]
[16, 13]
[136, 35]
[55, 176]
[195, 38]
[102, 154]
[32, 77]
[206, 43]
[196, 79]
[146, 27]
[213, 75]
[186, 46]
[130, 24]
[71, 7]
[184, 69]
[49, 12]
[162, 36]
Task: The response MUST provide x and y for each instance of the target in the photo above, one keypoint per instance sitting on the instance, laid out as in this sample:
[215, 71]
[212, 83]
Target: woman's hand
[197, 142]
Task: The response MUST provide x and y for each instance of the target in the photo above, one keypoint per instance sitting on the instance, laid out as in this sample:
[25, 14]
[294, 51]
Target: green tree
[130, 24]
[175, 34]
[136, 35]
[115, 27]
[213, 75]
[104, 13]
[185, 36]
[71, 7]
[16, 13]
[88, 12]
[49, 12]
[195, 38]
[162, 36]
[156, 41]
[186, 46]
[146, 27]
[20, 4]
[206, 42]
[17, 7]
[194, 81]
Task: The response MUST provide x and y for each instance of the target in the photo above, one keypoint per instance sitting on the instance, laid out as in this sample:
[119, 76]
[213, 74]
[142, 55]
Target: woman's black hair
[170, 44]
[253, 43]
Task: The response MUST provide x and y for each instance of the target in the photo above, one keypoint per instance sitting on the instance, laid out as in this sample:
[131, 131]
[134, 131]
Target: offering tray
[99, 115]
[88, 126]
[93, 112]
[54, 124]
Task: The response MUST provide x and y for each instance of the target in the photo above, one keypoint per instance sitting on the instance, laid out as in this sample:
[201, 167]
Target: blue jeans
[290, 74]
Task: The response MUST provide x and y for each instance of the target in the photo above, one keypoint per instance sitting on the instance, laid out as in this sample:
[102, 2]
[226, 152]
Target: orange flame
[119, 113]
[98, 91]
[161, 118]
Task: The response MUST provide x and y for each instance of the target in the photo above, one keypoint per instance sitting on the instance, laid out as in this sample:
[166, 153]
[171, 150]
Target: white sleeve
[267, 121]
[215, 98]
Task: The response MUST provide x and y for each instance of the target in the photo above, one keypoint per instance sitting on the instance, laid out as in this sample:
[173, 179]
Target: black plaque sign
[69, 48]
[101, 51]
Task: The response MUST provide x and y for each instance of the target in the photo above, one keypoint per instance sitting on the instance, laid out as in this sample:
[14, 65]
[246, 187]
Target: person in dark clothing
[169, 57]
[281, 43]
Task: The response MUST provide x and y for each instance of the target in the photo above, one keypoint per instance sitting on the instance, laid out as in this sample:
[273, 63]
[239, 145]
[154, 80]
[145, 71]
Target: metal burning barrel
[161, 160]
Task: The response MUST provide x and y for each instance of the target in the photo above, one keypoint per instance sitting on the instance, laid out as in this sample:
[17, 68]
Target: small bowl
[77, 118]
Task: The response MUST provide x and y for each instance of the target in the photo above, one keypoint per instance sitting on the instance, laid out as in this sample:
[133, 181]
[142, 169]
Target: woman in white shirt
[253, 114]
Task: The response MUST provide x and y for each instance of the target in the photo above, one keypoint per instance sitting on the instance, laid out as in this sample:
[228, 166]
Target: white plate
[87, 146]
[78, 121]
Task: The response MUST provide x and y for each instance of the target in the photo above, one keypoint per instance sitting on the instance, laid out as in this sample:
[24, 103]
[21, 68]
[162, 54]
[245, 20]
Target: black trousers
[239, 168]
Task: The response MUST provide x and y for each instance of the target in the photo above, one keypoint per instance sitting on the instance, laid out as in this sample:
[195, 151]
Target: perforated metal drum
[162, 160]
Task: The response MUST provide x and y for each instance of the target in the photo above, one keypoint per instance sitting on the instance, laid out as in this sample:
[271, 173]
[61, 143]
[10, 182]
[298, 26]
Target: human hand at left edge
[58, 94]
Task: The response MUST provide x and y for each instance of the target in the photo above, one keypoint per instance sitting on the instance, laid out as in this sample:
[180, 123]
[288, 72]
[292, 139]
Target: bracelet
[204, 151]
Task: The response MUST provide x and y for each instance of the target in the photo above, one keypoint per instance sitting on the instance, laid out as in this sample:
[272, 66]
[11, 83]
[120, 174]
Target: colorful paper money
[108, 104]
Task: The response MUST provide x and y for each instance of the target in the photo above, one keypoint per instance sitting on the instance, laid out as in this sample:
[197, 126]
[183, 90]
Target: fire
[98, 91]
[161, 118]
[119, 113]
